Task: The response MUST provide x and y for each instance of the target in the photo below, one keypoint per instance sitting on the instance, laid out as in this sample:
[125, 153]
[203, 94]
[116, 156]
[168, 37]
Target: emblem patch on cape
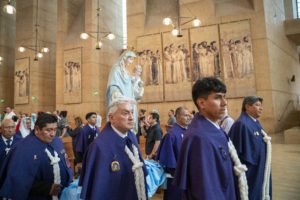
[115, 166]
[223, 153]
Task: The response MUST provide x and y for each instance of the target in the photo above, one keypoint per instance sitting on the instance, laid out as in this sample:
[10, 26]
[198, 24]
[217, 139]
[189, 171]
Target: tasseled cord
[56, 170]
[239, 171]
[137, 169]
[267, 173]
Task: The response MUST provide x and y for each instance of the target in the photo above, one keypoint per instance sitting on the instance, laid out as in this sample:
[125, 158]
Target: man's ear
[36, 129]
[200, 103]
[247, 107]
[110, 117]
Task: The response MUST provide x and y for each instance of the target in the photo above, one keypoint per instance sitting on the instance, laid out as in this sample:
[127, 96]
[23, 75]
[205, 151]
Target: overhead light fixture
[38, 48]
[176, 31]
[1, 60]
[167, 21]
[98, 35]
[9, 8]
[110, 36]
[84, 36]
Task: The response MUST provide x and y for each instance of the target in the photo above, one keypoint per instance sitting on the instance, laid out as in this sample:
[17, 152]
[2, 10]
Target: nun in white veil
[25, 126]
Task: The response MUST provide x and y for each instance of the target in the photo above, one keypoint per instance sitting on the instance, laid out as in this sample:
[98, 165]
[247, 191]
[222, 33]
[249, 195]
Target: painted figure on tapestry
[176, 63]
[150, 61]
[237, 57]
[72, 76]
[22, 83]
[205, 59]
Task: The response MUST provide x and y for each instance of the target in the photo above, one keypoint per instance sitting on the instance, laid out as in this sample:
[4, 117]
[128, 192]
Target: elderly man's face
[122, 119]
[8, 128]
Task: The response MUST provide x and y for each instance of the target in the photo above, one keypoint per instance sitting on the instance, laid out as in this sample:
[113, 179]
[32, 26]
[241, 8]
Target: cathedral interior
[253, 46]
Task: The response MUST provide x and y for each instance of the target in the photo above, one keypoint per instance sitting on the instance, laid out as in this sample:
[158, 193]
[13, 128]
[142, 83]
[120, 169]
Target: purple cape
[85, 138]
[167, 155]
[16, 140]
[97, 178]
[28, 163]
[248, 140]
[204, 169]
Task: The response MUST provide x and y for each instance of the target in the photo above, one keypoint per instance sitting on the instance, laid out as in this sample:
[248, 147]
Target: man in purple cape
[113, 167]
[8, 138]
[86, 136]
[204, 169]
[250, 142]
[169, 150]
[36, 168]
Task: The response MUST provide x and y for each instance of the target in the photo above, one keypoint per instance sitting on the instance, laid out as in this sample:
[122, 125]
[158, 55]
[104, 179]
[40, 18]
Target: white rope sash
[56, 170]
[137, 169]
[240, 171]
[267, 173]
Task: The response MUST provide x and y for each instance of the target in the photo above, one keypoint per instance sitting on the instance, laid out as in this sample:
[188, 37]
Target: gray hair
[250, 100]
[113, 107]
[6, 120]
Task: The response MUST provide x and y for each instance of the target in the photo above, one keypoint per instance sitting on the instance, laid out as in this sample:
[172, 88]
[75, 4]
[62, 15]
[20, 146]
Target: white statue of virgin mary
[120, 82]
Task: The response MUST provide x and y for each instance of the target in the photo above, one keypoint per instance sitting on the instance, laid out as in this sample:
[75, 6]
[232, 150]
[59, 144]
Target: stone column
[7, 52]
[42, 72]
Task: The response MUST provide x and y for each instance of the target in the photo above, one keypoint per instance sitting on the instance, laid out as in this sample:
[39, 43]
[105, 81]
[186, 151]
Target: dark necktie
[128, 143]
[8, 143]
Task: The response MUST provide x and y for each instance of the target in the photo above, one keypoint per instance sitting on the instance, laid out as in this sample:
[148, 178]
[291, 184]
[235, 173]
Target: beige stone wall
[274, 56]
[284, 63]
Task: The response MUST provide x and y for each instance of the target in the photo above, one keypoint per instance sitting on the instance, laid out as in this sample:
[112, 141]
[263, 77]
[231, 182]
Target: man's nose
[224, 101]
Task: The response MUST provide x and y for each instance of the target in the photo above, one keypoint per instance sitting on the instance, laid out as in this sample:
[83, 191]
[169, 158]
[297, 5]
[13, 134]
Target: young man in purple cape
[86, 136]
[254, 148]
[113, 167]
[36, 168]
[8, 138]
[204, 169]
[169, 150]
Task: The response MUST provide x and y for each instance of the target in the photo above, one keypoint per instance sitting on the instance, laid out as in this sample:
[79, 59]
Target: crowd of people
[204, 154]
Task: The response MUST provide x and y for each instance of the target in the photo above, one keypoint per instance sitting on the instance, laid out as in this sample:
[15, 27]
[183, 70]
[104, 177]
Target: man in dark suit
[8, 138]
[86, 136]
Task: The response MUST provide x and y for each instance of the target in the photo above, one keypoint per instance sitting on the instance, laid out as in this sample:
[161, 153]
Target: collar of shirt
[5, 139]
[184, 127]
[92, 127]
[252, 117]
[214, 123]
[122, 135]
